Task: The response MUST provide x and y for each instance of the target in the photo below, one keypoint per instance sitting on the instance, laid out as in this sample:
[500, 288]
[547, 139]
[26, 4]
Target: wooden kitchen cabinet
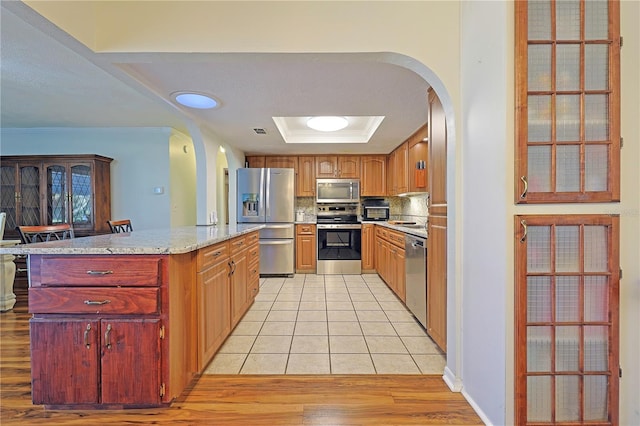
[88, 357]
[373, 175]
[306, 248]
[398, 182]
[214, 301]
[255, 161]
[253, 266]
[368, 248]
[306, 177]
[289, 162]
[390, 259]
[238, 274]
[437, 224]
[418, 154]
[89, 328]
[128, 330]
[56, 189]
[326, 166]
[338, 166]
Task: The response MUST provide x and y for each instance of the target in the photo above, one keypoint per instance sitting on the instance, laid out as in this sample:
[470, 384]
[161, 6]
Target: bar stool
[44, 233]
[118, 226]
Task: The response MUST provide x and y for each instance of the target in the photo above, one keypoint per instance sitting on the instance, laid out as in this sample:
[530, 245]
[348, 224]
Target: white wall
[140, 164]
[182, 191]
[484, 81]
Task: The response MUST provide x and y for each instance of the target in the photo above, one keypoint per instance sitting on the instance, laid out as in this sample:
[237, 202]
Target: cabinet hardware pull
[230, 269]
[86, 336]
[526, 186]
[216, 254]
[96, 302]
[524, 227]
[107, 337]
[99, 272]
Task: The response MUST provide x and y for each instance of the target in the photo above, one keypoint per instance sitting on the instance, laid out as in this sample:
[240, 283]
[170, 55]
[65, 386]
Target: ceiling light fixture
[195, 100]
[327, 123]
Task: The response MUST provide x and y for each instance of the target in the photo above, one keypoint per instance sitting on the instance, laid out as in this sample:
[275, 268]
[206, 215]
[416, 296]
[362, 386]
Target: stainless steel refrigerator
[268, 196]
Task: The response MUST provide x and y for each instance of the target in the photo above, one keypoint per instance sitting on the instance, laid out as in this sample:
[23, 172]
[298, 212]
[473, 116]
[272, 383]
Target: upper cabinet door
[306, 178]
[282, 163]
[567, 101]
[326, 167]
[373, 175]
[349, 167]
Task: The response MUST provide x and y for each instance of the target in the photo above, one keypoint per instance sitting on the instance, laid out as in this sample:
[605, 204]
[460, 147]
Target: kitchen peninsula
[128, 320]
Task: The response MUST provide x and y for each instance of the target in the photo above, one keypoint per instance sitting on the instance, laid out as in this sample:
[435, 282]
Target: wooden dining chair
[44, 233]
[118, 226]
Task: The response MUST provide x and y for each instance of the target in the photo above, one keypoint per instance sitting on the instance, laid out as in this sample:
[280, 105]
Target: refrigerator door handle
[276, 242]
[267, 186]
[261, 197]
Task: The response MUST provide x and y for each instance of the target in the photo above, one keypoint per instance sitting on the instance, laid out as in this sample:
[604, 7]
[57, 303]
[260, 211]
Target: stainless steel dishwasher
[416, 276]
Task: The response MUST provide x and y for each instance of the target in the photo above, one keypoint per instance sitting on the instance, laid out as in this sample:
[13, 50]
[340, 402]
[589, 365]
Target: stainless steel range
[339, 239]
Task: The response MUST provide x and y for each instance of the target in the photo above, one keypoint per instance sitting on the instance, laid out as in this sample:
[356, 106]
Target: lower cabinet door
[214, 311]
[131, 361]
[65, 361]
[239, 297]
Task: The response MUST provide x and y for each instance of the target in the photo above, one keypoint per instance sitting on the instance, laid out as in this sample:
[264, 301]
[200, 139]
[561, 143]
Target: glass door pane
[81, 195]
[566, 318]
[29, 198]
[57, 194]
[568, 100]
[8, 194]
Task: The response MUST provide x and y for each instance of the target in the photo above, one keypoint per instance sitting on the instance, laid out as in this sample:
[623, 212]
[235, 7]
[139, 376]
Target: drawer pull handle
[99, 272]
[107, 337]
[96, 302]
[216, 254]
[86, 336]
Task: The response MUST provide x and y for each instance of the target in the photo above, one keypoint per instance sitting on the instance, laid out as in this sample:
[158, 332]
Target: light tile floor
[327, 324]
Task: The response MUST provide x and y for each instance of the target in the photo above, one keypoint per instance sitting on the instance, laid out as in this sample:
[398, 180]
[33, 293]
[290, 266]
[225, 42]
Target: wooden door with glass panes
[566, 312]
[567, 101]
[20, 195]
[70, 197]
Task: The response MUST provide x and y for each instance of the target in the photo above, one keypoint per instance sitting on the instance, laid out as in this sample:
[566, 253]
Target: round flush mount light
[327, 123]
[195, 100]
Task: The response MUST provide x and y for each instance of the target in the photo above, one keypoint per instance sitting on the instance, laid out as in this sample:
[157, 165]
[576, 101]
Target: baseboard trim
[477, 409]
[454, 383]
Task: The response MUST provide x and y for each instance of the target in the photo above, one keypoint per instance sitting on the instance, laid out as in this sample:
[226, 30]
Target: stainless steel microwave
[337, 191]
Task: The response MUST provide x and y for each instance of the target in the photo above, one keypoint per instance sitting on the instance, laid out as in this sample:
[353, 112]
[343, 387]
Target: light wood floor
[240, 399]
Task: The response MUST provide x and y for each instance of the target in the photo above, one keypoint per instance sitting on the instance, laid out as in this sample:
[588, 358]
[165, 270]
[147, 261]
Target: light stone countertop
[419, 231]
[153, 241]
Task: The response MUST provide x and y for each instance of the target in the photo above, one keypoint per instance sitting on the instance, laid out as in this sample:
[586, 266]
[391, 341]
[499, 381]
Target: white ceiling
[49, 79]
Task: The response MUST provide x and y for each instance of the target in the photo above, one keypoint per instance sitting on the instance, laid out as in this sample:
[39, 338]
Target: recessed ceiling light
[327, 123]
[195, 100]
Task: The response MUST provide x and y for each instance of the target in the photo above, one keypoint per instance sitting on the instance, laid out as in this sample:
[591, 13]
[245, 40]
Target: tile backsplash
[412, 208]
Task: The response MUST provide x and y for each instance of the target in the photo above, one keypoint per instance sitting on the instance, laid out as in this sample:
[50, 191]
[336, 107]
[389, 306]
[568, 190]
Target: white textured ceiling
[49, 79]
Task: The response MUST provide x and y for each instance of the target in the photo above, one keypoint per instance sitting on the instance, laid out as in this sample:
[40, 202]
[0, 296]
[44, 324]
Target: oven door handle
[335, 226]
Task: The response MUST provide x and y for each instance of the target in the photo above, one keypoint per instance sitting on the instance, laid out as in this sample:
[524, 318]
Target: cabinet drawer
[237, 245]
[82, 300]
[252, 238]
[382, 232]
[253, 290]
[397, 238]
[254, 272]
[212, 255]
[96, 271]
[305, 229]
[253, 253]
